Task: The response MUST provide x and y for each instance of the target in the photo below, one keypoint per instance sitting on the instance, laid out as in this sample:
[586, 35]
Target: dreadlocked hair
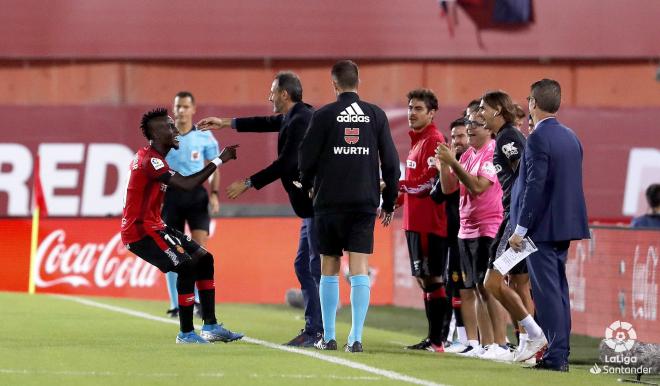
[158, 112]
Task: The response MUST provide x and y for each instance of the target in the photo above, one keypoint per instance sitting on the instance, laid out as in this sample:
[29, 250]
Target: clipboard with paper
[510, 258]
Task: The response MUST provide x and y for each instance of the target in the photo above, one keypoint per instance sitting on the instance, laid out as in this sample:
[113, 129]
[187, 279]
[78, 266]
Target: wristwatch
[248, 183]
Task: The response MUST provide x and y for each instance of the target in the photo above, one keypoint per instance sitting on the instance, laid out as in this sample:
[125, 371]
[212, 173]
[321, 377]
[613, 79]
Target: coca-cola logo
[90, 264]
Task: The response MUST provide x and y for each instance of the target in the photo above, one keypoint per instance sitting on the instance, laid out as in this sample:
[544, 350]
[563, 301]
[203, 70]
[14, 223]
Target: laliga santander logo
[620, 336]
[90, 264]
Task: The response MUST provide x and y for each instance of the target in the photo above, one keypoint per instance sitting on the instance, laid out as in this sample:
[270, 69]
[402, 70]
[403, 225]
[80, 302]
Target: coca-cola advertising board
[253, 260]
[82, 256]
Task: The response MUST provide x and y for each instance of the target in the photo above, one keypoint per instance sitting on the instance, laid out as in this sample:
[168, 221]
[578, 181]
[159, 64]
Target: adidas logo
[352, 113]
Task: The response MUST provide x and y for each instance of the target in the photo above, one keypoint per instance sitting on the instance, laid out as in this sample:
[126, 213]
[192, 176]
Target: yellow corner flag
[39, 208]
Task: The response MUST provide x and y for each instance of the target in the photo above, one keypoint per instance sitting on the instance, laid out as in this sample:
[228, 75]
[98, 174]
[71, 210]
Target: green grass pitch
[49, 340]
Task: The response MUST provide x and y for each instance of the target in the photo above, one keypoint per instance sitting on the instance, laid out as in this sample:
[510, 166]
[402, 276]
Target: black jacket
[291, 127]
[451, 201]
[340, 154]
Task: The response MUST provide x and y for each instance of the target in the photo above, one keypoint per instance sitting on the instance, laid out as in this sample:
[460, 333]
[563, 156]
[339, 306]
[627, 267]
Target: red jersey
[420, 212]
[144, 195]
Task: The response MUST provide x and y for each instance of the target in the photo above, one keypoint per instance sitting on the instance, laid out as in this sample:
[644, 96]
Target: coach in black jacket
[291, 122]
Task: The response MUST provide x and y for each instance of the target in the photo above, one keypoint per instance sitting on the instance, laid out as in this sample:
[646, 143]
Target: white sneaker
[521, 346]
[486, 350]
[456, 347]
[529, 348]
[472, 352]
[495, 352]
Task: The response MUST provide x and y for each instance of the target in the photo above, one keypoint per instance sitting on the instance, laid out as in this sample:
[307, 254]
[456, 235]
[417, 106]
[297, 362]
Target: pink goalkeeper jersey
[480, 214]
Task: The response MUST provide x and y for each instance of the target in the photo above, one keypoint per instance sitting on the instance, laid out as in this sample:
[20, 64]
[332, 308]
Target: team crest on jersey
[430, 161]
[351, 136]
[195, 155]
[157, 163]
[509, 149]
[411, 164]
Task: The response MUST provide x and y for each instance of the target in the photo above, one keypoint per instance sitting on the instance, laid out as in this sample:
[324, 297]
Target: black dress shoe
[304, 339]
[355, 347]
[323, 345]
[423, 345]
[544, 365]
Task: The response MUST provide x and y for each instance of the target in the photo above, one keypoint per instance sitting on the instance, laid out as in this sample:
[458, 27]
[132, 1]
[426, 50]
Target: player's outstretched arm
[190, 182]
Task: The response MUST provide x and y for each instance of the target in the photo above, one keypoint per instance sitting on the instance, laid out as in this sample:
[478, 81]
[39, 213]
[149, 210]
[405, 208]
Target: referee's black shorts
[165, 249]
[351, 232]
[428, 254]
[474, 259]
[182, 206]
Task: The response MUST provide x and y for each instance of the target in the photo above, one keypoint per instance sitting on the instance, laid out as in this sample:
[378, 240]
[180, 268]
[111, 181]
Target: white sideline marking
[327, 358]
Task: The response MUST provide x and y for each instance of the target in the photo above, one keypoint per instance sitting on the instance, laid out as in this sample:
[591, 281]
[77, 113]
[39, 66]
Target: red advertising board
[253, 260]
[614, 276]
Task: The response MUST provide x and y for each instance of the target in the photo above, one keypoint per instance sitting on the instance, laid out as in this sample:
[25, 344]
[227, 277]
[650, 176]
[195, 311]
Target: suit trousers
[308, 270]
[547, 272]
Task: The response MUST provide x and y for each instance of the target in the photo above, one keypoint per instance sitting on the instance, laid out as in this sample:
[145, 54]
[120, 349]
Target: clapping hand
[445, 153]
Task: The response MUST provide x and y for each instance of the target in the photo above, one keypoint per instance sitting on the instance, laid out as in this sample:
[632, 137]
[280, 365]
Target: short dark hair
[185, 94]
[653, 195]
[289, 82]
[346, 74]
[547, 94]
[457, 122]
[158, 112]
[471, 107]
[500, 99]
[426, 95]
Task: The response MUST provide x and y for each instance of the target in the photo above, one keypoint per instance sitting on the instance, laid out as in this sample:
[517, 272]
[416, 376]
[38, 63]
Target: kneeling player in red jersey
[145, 234]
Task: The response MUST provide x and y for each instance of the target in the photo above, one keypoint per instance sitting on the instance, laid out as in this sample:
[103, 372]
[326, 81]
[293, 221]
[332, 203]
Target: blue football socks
[360, 293]
[329, 294]
[170, 277]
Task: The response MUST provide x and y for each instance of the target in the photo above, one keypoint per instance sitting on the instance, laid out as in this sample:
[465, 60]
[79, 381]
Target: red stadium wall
[253, 29]
[613, 276]
[85, 152]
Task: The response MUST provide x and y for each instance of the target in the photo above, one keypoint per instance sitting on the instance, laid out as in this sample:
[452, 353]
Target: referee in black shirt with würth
[339, 161]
